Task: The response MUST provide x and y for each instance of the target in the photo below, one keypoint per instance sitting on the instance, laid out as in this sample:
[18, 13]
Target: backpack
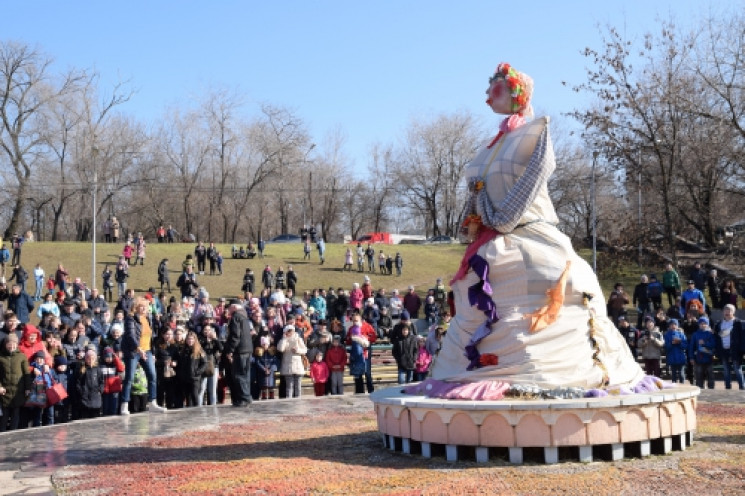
[654, 290]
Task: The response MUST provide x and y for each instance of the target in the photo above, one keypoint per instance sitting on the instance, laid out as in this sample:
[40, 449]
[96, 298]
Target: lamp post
[639, 202]
[94, 152]
[594, 215]
[310, 185]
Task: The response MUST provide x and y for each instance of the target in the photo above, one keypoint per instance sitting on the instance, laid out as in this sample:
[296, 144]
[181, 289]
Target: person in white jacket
[293, 349]
[39, 279]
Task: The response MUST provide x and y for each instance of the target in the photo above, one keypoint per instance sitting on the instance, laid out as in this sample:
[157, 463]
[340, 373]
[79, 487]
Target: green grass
[422, 265]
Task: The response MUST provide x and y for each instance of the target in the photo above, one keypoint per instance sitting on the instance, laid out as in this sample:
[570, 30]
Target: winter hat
[648, 317]
[116, 325]
[405, 315]
[671, 322]
[366, 279]
[60, 360]
[703, 320]
[39, 354]
[108, 352]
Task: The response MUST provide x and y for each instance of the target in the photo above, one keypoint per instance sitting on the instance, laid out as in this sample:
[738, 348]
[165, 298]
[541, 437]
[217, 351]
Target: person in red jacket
[112, 369]
[319, 374]
[336, 359]
[31, 342]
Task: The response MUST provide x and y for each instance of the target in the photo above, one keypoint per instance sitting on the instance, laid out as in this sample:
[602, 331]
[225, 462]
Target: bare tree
[185, 150]
[286, 140]
[430, 165]
[380, 185]
[638, 117]
[329, 178]
[26, 90]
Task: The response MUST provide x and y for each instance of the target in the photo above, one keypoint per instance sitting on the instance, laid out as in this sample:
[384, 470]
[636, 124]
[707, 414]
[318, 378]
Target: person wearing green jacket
[671, 283]
[15, 382]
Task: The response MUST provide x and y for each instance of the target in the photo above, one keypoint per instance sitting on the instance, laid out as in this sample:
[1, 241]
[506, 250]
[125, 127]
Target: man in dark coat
[20, 303]
[238, 350]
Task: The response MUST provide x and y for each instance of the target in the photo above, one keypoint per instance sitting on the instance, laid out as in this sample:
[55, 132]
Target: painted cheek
[496, 91]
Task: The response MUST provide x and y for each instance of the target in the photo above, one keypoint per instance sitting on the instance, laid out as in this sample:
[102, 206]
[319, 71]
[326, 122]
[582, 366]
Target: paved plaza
[29, 459]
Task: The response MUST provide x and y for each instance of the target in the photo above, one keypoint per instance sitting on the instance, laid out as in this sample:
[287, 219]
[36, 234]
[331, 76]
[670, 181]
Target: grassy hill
[423, 264]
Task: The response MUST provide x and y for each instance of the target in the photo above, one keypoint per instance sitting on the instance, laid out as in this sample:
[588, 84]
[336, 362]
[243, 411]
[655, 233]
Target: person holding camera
[651, 344]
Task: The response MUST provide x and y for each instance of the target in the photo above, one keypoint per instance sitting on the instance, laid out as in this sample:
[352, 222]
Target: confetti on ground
[343, 454]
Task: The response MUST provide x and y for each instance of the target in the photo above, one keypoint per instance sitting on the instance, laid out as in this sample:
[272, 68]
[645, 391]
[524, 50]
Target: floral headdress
[521, 87]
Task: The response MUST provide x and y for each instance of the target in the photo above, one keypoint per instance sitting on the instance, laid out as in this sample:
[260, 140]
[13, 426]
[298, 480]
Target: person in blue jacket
[701, 349]
[676, 345]
[4, 258]
[20, 303]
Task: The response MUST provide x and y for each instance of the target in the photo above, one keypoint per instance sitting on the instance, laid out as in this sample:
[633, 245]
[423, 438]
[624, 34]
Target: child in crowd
[262, 367]
[423, 360]
[336, 359]
[138, 396]
[51, 284]
[90, 385]
[675, 350]
[62, 409]
[701, 353]
[127, 252]
[112, 369]
[319, 374]
[219, 263]
[43, 374]
[431, 311]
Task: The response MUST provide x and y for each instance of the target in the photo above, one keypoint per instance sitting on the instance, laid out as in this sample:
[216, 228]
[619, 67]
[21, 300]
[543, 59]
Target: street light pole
[310, 186]
[594, 216]
[95, 188]
[639, 180]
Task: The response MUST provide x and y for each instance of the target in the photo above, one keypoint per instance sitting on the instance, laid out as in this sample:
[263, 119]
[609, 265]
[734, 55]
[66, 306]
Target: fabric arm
[506, 215]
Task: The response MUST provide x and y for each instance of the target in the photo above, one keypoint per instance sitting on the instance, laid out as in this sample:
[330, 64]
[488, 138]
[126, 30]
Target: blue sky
[365, 67]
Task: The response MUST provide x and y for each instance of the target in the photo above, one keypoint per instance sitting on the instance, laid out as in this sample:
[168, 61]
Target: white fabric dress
[525, 262]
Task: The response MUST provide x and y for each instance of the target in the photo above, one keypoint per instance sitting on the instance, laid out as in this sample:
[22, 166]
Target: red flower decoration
[488, 359]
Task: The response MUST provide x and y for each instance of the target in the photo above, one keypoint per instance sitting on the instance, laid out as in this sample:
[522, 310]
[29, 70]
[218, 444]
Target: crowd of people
[684, 332]
[158, 352]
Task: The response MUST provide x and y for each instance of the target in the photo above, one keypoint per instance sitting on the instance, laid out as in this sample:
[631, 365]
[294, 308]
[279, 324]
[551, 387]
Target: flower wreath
[516, 83]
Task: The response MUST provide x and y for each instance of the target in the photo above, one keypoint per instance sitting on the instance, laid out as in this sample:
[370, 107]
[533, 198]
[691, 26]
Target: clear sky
[366, 67]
